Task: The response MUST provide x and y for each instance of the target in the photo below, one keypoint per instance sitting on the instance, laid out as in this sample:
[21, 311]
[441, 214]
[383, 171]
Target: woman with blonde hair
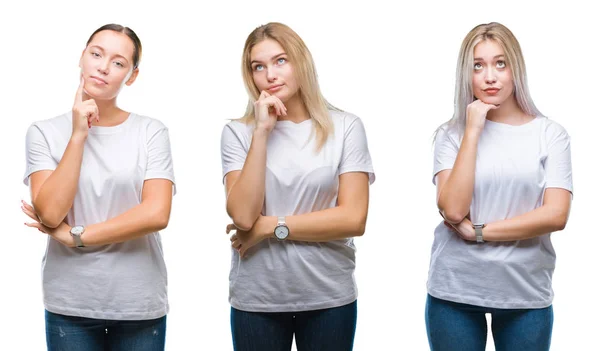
[503, 177]
[297, 174]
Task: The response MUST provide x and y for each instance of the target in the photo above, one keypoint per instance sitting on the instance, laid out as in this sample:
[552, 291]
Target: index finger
[79, 93]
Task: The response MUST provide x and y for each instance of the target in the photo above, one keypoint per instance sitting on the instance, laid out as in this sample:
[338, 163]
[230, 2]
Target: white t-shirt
[514, 165]
[124, 281]
[286, 276]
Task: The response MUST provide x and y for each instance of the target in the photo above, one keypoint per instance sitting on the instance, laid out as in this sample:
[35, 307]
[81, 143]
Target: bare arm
[52, 192]
[455, 187]
[151, 215]
[347, 219]
[246, 188]
[552, 216]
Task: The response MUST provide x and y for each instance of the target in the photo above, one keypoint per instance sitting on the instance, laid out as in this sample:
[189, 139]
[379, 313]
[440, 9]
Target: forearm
[55, 197]
[457, 193]
[141, 220]
[246, 197]
[543, 220]
[325, 225]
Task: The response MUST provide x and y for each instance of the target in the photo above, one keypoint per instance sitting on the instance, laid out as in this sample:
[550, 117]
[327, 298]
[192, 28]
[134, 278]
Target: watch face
[281, 232]
[77, 230]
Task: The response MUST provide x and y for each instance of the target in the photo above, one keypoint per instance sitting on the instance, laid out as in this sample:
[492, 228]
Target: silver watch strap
[479, 232]
[281, 221]
[78, 241]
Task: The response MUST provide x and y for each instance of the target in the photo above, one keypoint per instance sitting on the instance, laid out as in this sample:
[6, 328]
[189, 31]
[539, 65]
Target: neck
[110, 114]
[296, 111]
[509, 112]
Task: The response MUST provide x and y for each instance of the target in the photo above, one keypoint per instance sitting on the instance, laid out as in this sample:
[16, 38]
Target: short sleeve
[37, 153]
[558, 162]
[445, 151]
[160, 160]
[355, 152]
[233, 153]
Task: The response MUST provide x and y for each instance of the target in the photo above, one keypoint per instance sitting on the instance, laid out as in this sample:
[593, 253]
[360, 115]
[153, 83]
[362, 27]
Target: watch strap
[479, 232]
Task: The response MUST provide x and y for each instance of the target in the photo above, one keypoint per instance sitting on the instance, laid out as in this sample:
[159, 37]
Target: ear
[132, 77]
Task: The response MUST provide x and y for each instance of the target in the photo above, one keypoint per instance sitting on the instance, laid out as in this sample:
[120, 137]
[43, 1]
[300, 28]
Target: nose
[490, 76]
[103, 67]
[271, 75]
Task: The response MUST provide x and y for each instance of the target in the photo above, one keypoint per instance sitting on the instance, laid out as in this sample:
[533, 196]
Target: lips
[275, 87]
[492, 91]
[98, 80]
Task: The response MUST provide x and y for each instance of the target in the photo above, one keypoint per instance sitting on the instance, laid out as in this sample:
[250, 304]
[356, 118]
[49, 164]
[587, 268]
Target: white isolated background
[391, 63]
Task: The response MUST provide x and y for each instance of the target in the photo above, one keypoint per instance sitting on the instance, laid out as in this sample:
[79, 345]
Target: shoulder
[238, 128]
[553, 128]
[59, 122]
[147, 123]
[447, 134]
[343, 120]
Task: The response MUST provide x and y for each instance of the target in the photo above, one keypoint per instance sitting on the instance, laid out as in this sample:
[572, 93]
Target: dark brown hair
[137, 44]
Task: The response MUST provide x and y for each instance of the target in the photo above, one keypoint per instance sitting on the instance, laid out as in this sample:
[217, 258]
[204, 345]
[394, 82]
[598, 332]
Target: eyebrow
[272, 58]
[481, 59]
[102, 49]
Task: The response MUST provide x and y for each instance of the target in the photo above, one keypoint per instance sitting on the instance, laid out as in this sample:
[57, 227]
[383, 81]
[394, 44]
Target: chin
[98, 94]
[493, 100]
[282, 96]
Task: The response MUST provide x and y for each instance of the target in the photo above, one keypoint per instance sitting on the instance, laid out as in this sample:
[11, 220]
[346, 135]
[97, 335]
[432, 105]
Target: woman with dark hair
[101, 182]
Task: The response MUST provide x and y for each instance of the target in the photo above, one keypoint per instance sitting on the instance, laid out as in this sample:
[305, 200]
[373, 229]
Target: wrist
[260, 133]
[78, 138]
[472, 134]
[270, 222]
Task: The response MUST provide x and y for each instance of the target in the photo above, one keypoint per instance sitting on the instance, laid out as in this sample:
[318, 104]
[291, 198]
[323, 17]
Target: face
[492, 78]
[271, 70]
[107, 64]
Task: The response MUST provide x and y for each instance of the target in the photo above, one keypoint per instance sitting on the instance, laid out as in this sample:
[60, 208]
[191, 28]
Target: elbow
[560, 224]
[358, 226]
[242, 223]
[452, 214]
[50, 222]
[48, 218]
[453, 217]
[160, 219]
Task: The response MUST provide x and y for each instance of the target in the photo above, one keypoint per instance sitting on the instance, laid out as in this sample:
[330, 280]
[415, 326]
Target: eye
[281, 60]
[119, 64]
[95, 54]
[501, 64]
[477, 66]
[258, 67]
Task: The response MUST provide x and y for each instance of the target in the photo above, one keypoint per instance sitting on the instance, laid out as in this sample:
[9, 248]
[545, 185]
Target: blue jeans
[458, 326]
[68, 333]
[330, 329]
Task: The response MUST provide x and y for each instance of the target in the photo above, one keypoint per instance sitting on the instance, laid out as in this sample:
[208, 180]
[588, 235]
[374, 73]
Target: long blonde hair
[304, 71]
[463, 91]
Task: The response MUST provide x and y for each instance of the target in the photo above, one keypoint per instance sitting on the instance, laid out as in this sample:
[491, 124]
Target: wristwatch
[281, 230]
[479, 232]
[76, 233]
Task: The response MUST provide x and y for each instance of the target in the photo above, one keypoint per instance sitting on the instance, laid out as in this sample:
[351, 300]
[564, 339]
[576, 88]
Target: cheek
[259, 80]
[508, 83]
[477, 81]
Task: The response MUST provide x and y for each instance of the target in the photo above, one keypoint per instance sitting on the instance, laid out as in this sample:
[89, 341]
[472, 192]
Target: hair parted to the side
[463, 91]
[304, 71]
[137, 44]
